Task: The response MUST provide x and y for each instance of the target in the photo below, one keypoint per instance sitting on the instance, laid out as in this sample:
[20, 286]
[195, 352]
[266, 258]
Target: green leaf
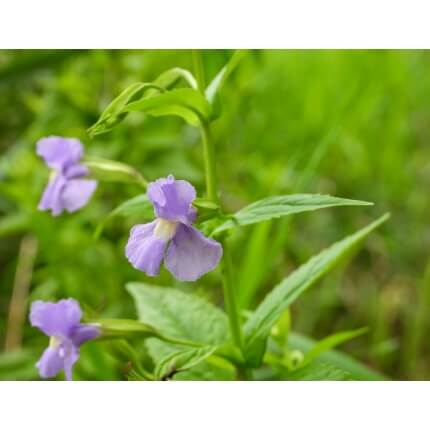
[114, 113]
[112, 328]
[213, 368]
[187, 103]
[202, 203]
[319, 372]
[258, 326]
[330, 342]
[170, 77]
[337, 358]
[218, 81]
[279, 206]
[124, 328]
[138, 206]
[179, 361]
[114, 171]
[180, 315]
[207, 210]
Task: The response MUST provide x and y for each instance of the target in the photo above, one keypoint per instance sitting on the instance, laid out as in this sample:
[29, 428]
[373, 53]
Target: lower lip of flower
[164, 229]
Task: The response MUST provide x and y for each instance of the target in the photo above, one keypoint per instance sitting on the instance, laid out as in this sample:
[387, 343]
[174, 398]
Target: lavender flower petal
[191, 254]
[172, 199]
[77, 193]
[55, 319]
[50, 363]
[60, 321]
[52, 195]
[76, 171]
[59, 152]
[144, 250]
[84, 333]
[69, 360]
[65, 190]
[55, 359]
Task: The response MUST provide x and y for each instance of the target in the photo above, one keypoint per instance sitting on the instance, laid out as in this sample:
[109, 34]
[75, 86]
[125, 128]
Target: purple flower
[66, 190]
[189, 253]
[61, 322]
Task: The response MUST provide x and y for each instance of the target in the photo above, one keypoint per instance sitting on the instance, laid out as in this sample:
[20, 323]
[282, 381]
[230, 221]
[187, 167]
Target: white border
[214, 405]
[215, 24]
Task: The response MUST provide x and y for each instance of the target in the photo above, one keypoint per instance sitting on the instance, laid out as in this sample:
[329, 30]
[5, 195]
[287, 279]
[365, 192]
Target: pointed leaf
[114, 113]
[337, 358]
[187, 103]
[331, 342]
[114, 171]
[278, 206]
[112, 328]
[258, 327]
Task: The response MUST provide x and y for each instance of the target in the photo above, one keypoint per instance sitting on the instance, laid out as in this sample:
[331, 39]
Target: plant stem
[198, 70]
[208, 149]
[212, 193]
[210, 166]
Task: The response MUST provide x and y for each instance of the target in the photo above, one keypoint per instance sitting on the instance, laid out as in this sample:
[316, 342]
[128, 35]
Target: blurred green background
[353, 124]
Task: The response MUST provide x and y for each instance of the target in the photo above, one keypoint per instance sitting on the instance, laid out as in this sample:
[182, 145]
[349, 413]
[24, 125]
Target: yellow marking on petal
[165, 230]
[54, 342]
[52, 175]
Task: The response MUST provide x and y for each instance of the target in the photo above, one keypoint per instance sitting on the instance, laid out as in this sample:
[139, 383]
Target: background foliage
[354, 124]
